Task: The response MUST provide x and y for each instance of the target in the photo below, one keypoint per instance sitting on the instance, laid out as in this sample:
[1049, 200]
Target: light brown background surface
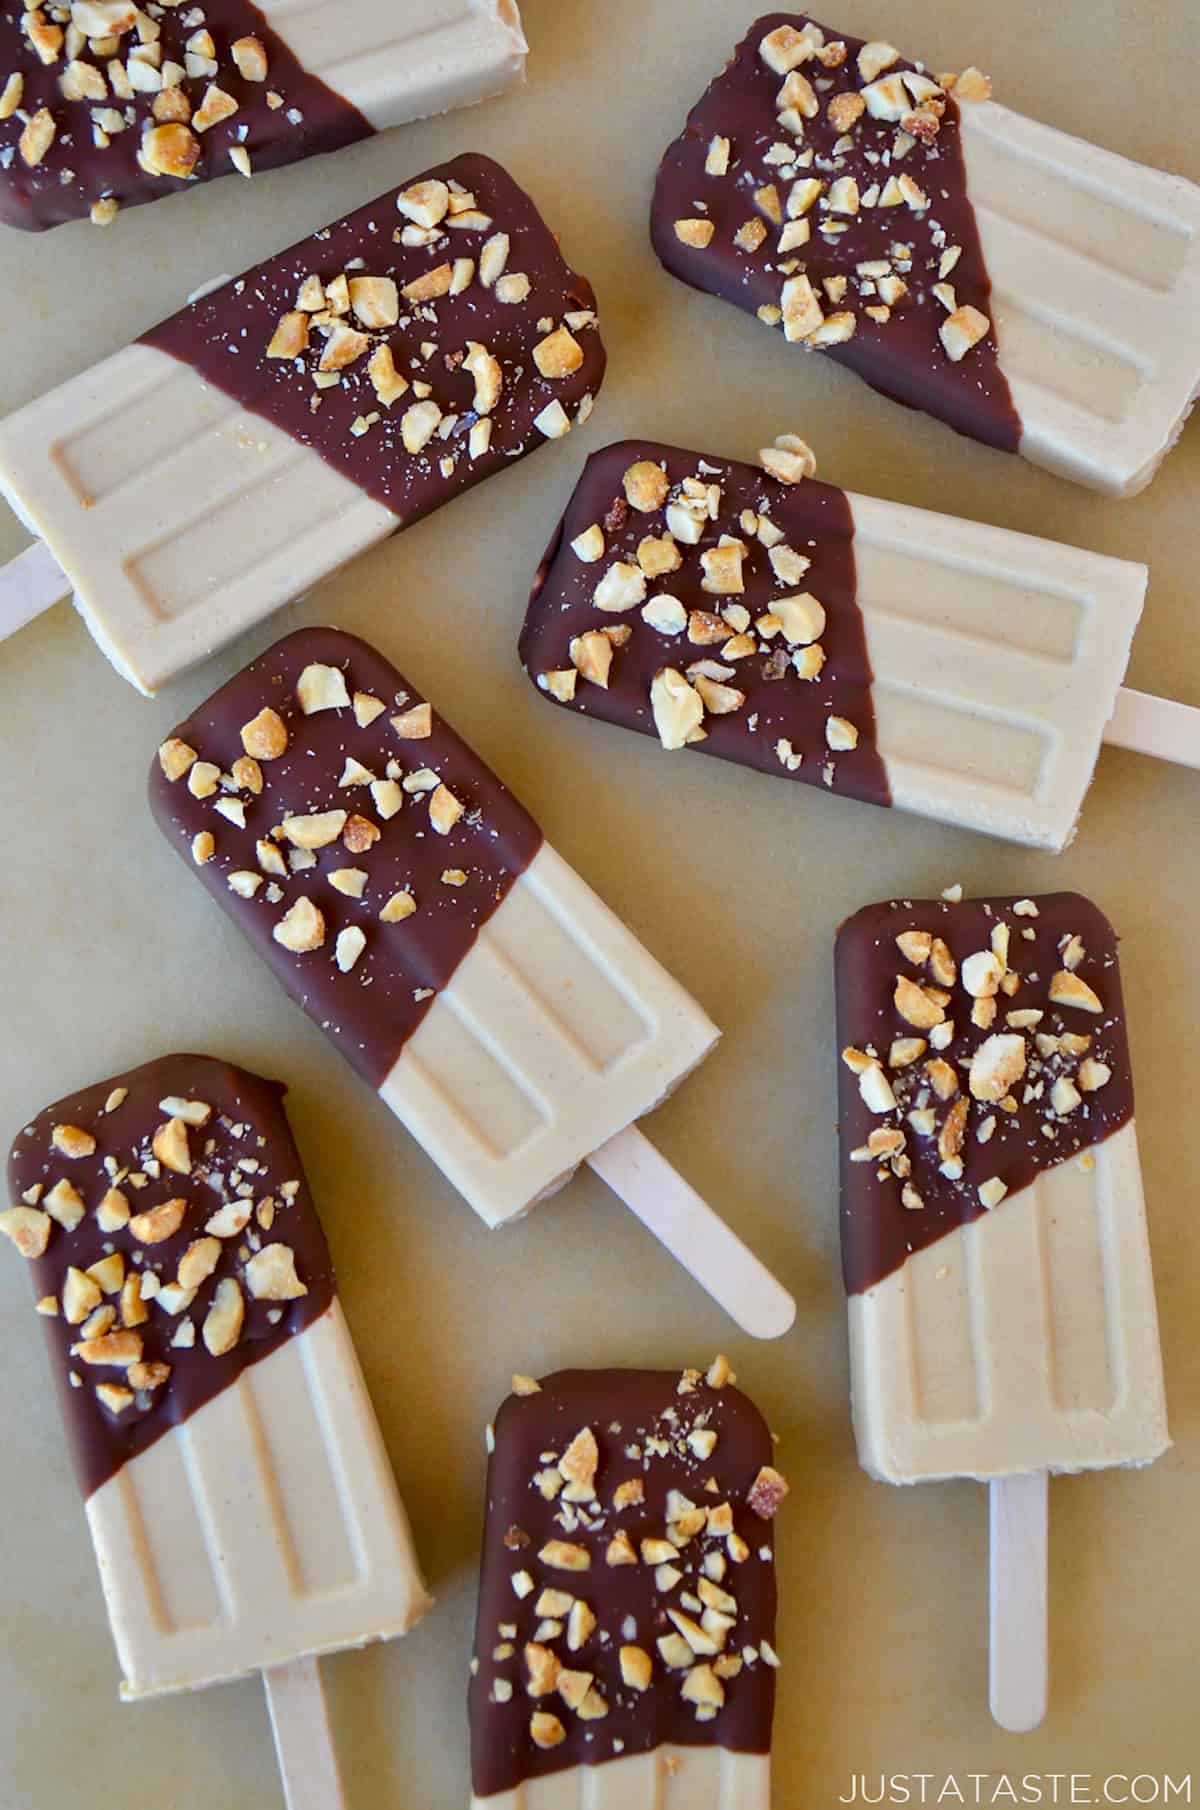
[108, 955]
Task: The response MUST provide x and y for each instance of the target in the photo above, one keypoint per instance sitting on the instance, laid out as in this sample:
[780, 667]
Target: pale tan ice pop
[949, 668]
[236, 1486]
[1034, 291]
[395, 65]
[311, 1553]
[413, 908]
[994, 1237]
[1003, 1376]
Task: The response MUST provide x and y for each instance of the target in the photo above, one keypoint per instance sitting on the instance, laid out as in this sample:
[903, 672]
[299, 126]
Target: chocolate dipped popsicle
[410, 905]
[105, 104]
[624, 1638]
[235, 1482]
[994, 1240]
[285, 421]
[705, 602]
[1035, 292]
[959, 671]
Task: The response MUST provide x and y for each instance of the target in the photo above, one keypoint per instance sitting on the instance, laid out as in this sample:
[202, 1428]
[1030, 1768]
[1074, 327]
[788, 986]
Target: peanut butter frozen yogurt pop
[1032, 290]
[257, 440]
[235, 1483]
[407, 901]
[623, 1652]
[963, 672]
[994, 1242]
[105, 104]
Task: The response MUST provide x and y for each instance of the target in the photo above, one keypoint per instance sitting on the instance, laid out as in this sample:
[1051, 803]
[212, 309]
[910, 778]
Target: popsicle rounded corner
[507, 15]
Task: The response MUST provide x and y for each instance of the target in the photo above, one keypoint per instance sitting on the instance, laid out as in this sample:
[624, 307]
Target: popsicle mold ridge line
[627, 1595]
[104, 105]
[236, 1485]
[959, 671]
[286, 421]
[409, 904]
[994, 1241]
[1032, 290]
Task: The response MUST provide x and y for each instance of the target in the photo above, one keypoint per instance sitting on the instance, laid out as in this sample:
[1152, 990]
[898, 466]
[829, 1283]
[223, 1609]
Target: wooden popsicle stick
[1018, 1647]
[670, 1208]
[304, 1746]
[29, 584]
[1156, 726]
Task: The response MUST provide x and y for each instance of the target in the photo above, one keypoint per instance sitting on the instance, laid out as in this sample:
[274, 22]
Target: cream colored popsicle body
[180, 518]
[1025, 1341]
[1095, 268]
[996, 661]
[963, 672]
[264, 1528]
[670, 1778]
[556, 1031]
[396, 64]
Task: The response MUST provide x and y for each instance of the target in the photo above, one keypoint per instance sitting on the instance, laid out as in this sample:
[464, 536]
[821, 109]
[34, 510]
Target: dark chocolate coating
[248, 1122]
[878, 1232]
[372, 1010]
[622, 1408]
[75, 172]
[817, 523]
[225, 335]
[903, 356]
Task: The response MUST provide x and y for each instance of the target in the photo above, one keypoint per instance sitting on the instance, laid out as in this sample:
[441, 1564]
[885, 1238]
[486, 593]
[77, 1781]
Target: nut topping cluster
[286, 851]
[693, 596]
[162, 1251]
[826, 185]
[359, 329]
[418, 345]
[632, 1570]
[347, 830]
[157, 73]
[995, 1051]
